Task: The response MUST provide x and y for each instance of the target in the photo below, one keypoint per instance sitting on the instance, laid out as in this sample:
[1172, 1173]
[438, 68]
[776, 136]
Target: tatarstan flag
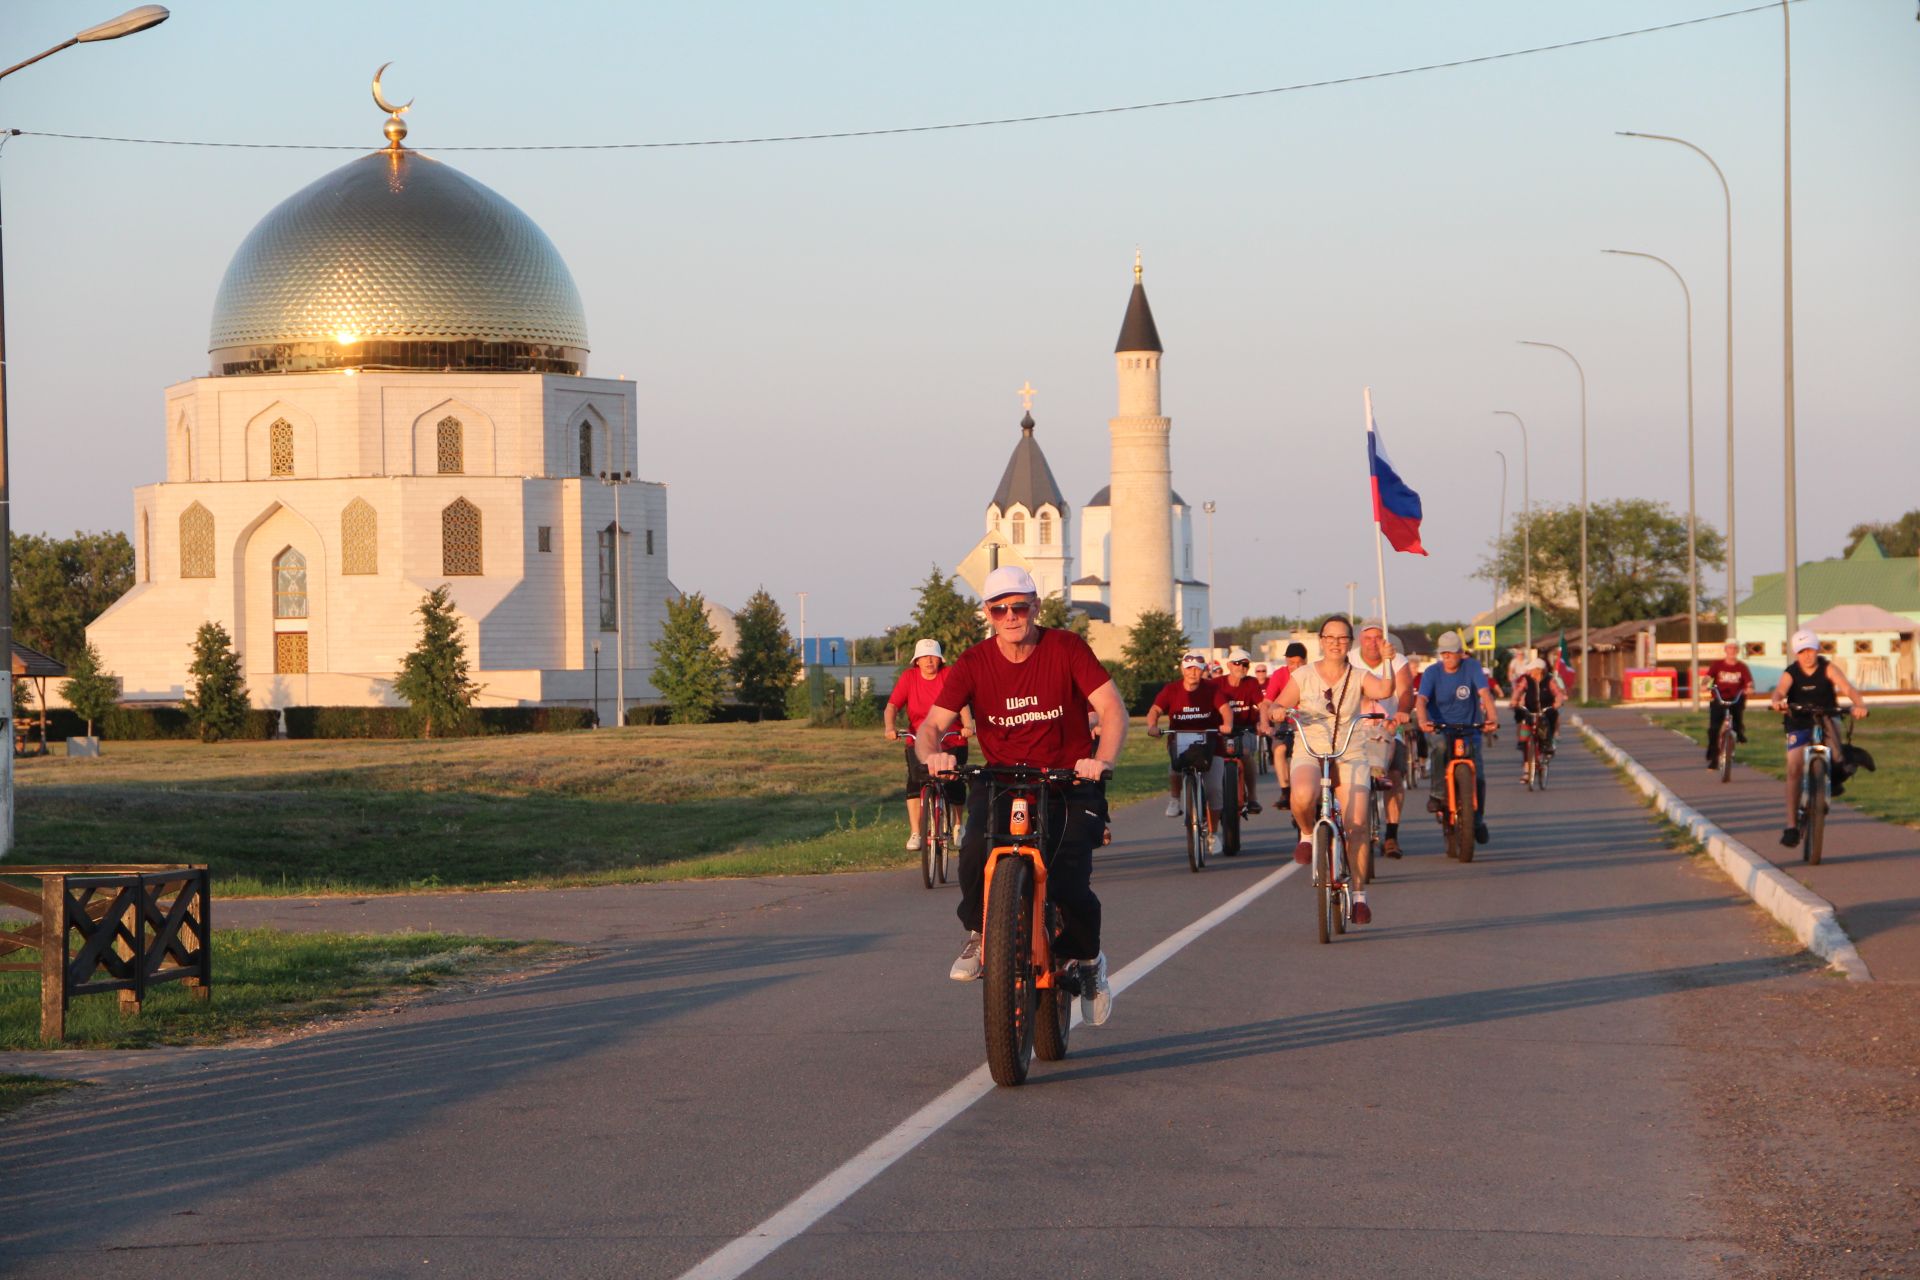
[1396, 508]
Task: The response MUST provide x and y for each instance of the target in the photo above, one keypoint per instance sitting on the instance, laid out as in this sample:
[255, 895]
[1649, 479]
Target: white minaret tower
[1142, 496]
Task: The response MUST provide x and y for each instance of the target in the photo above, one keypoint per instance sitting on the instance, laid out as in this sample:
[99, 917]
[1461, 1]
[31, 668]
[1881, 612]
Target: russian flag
[1396, 508]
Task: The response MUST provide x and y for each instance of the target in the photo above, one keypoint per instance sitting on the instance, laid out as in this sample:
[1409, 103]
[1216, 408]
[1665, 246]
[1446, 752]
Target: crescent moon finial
[379, 100]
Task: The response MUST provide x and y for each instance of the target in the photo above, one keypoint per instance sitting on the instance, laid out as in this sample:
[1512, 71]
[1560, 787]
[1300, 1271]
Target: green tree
[62, 584]
[1056, 612]
[690, 671]
[1153, 649]
[947, 616]
[435, 678]
[764, 662]
[90, 691]
[1896, 537]
[1637, 560]
[217, 690]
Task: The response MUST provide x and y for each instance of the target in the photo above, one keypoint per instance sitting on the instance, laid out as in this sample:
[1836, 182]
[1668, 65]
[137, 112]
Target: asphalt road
[1485, 1082]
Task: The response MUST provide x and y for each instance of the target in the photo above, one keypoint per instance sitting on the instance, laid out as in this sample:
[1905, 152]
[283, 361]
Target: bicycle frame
[1034, 786]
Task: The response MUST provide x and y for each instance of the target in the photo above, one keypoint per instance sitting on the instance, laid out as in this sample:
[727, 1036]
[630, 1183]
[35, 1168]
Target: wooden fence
[120, 928]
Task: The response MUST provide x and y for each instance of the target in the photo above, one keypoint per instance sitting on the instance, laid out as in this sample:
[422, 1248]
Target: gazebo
[31, 664]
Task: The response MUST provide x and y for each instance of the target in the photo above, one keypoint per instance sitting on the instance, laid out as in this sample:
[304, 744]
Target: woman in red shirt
[1192, 706]
[914, 693]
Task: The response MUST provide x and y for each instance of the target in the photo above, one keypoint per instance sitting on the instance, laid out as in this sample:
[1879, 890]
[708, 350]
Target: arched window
[196, 542]
[1019, 528]
[451, 451]
[586, 448]
[460, 539]
[1046, 529]
[290, 584]
[359, 538]
[280, 448]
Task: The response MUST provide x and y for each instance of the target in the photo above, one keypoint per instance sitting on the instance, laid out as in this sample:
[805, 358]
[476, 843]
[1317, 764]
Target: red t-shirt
[1733, 678]
[1278, 681]
[1032, 712]
[1191, 712]
[917, 693]
[1245, 695]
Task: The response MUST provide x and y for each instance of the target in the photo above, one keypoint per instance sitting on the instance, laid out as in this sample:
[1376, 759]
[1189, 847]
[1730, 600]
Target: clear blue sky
[827, 336]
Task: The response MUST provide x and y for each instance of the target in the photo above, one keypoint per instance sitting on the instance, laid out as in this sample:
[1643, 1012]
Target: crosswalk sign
[1483, 637]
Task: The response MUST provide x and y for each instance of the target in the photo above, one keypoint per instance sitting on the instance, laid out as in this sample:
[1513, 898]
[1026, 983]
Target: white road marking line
[823, 1197]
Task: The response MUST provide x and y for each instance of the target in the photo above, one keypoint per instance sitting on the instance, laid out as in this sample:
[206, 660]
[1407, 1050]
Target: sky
[827, 336]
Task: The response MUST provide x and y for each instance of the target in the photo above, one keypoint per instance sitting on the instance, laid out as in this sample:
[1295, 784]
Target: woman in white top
[1325, 697]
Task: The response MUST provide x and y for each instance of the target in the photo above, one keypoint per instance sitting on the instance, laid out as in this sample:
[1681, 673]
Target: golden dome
[395, 260]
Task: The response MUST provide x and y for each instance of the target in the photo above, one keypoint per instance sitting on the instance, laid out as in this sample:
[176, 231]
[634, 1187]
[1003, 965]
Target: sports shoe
[913, 842]
[1480, 833]
[1173, 809]
[1713, 762]
[1217, 845]
[1303, 852]
[1096, 996]
[1790, 837]
[1392, 846]
[967, 967]
[1436, 805]
[1253, 807]
[1362, 913]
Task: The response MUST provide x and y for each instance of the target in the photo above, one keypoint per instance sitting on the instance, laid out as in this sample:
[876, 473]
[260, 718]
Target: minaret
[1142, 497]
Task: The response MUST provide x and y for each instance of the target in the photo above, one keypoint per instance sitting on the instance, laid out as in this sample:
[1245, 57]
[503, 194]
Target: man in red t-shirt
[1192, 706]
[1249, 701]
[1732, 681]
[914, 693]
[1278, 725]
[1030, 689]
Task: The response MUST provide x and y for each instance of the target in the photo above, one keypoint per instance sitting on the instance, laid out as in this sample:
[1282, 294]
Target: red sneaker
[1303, 852]
[1362, 914]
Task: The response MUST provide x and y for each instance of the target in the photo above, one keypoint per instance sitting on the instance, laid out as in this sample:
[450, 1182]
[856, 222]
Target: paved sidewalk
[1870, 870]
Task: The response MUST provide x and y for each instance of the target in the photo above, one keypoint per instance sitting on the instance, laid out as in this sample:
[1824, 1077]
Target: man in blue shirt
[1454, 694]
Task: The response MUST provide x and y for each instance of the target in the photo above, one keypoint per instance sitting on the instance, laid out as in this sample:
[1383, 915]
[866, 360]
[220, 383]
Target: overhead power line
[896, 130]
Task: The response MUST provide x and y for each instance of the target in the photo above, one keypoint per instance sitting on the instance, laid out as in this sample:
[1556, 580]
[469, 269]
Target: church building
[398, 398]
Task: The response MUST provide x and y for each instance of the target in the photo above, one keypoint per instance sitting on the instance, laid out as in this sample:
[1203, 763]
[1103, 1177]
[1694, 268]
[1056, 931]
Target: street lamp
[1300, 603]
[1791, 513]
[147, 15]
[1500, 530]
[1350, 587]
[1208, 507]
[616, 481]
[1526, 527]
[1584, 593]
[1733, 608]
[1693, 567]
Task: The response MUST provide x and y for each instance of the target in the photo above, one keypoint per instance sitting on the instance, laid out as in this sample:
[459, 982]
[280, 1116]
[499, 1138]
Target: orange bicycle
[1029, 992]
[1458, 818]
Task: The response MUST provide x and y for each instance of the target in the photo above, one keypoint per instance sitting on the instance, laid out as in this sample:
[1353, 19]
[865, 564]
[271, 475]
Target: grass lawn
[1892, 734]
[263, 980]
[643, 803]
[17, 1091]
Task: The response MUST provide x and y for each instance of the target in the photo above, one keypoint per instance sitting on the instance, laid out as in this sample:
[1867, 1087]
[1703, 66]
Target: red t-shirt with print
[1245, 694]
[1733, 677]
[1033, 712]
[1278, 681]
[917, 693]
[1191, 711]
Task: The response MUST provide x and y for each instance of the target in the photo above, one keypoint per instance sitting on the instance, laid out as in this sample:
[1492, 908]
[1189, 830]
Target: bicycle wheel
[1376, 828]
[949, 836]
[1324, 903]
[1337, 896]
[1726, 753]
[1463, 826]
[1816, 820]
[1530, 766]
[1230, 812]
[929, 832]
[1007, 951]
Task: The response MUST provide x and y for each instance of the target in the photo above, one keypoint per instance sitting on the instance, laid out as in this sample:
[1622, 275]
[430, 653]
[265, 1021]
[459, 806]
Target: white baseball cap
[1237, 654]
[928, 648]
[1373, 624]
[1009, 580]
[1536, 664]
[1804, 638]
[1194, 660]
[1449, 642]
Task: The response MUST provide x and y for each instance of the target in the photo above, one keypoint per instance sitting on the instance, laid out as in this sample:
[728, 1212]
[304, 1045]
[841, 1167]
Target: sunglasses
[1019, 609]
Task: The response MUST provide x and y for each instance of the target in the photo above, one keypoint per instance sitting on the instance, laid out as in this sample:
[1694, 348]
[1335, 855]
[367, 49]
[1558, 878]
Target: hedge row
[143, 724]
[404, 722]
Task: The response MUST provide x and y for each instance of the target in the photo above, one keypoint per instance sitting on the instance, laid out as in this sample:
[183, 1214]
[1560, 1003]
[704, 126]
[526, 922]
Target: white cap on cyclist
[1449, 642]
[1804, 638]
[1731, 643]
[1373, 624]
[1537, 664]
[1237, 654]
[1009, 580]
[1194, 660]
[928, 648]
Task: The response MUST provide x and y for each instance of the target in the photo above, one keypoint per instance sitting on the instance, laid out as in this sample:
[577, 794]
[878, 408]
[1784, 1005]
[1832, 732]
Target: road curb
[1808, 916]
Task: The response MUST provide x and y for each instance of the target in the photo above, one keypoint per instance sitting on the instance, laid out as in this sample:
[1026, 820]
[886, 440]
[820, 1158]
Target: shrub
[866, 712]
[153, 724]
[406, 722]
[434, 676]
[800, 699]
[216, 703]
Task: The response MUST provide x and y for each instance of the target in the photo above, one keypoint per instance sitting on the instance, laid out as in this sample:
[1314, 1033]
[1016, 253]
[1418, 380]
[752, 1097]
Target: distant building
[1867, 575]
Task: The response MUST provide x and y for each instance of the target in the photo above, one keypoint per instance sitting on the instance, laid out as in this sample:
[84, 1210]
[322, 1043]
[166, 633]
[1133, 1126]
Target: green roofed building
[1867, 575]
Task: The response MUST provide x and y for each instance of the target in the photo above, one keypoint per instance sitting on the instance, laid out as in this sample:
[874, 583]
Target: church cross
[1026, 394]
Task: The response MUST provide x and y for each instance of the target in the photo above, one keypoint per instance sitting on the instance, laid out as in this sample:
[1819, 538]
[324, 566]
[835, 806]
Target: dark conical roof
[1137, 331]
[1028, 481]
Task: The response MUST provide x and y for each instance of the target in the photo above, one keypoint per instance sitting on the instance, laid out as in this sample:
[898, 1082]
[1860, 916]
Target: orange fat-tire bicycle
[1029, 992]
[1457, 821]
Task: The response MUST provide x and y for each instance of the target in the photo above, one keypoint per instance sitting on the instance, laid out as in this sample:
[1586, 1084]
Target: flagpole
[1379, 555]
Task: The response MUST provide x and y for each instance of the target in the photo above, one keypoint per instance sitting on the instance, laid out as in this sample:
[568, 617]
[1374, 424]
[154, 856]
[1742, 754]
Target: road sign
[1483, 637]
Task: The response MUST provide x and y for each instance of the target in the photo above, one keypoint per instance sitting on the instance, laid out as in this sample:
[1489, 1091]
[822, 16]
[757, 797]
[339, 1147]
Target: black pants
[1076, 821]
[1716, 713]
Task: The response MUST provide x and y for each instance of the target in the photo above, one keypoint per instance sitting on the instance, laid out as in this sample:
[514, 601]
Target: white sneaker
[967, 967]
[1096, 997]
[1173, 809]
[1218, 843]
[913, 842]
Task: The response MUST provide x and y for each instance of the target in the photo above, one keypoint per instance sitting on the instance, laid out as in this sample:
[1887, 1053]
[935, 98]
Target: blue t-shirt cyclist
[1454, 694]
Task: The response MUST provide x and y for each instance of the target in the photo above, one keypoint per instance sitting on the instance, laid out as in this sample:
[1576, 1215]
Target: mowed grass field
[1892, 734]
[642, 803]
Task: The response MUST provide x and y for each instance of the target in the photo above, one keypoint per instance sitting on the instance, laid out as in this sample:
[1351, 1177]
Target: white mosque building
[1136, 533]
[398, 399]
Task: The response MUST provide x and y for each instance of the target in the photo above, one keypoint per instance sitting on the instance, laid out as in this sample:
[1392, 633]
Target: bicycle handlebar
[1340, 745]
[1019, 773]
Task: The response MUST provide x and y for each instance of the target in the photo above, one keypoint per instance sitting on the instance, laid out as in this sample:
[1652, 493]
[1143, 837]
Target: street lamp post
[1500, 530]
[1526, 528]
[1584, 592]
[1300, 603]
[1732, 612]
[618, 480]
[1791, 512]
[1693, 566]
[1350, 587]
[139, 19]
[1208, 507]
[596, 685]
